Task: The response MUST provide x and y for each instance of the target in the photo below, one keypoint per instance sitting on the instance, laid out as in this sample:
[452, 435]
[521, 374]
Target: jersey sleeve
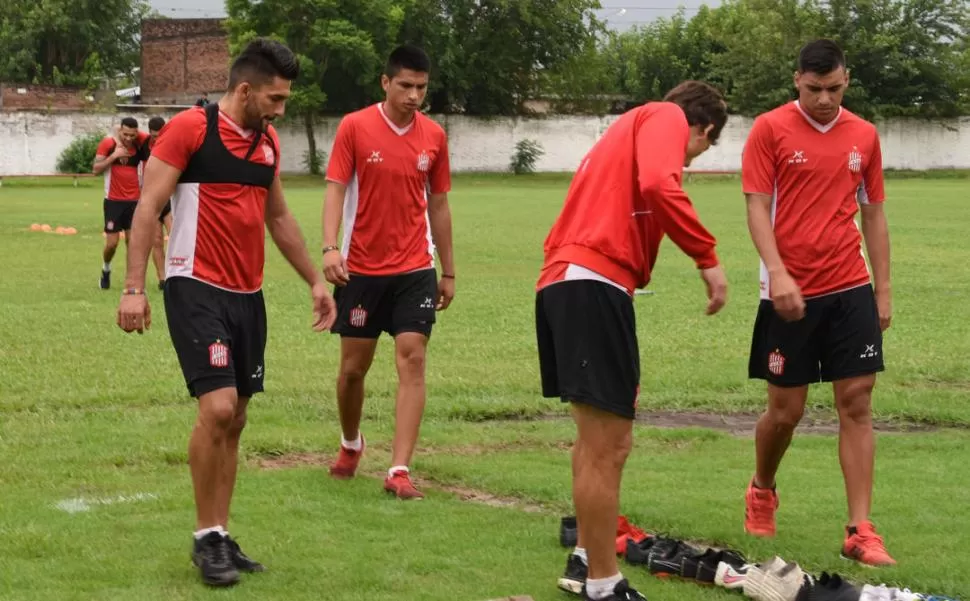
[180, 138]
[661, 143]
[758, 160]
[340, 169]
[440, 177]
[873, 189]
[105, 147]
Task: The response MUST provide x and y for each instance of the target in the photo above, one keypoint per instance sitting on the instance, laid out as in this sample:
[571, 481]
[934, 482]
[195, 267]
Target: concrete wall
[30, 142]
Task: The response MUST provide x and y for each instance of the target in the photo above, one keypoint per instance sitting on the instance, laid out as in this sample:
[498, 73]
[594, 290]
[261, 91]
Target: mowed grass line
[86, 411]
[482, 361]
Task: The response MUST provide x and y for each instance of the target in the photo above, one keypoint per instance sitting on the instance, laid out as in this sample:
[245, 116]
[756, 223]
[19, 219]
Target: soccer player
[626, 195]
[222, 164]
[155, 125]
[388, 178]
[808, 168]
[121, 164]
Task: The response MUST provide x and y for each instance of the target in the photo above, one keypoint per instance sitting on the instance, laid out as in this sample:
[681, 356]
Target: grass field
[87, 412]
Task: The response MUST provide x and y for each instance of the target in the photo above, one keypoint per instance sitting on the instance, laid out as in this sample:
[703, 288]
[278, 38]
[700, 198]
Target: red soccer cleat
[862, 544]
[347, 460]
[399, 483]
[759, 515]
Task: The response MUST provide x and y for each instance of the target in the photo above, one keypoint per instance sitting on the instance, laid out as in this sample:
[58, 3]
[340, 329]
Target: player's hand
[786, 296]
[335, 268]
[446, 292]
[324, 307]
[134, 313]
[884, 304]
[716, 283]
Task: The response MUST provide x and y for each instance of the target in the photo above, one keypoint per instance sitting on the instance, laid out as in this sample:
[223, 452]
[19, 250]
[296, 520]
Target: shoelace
[868, 538]
[218, 553]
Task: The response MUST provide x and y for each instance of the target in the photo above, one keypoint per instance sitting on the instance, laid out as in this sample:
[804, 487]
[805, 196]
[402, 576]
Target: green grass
[87, 411]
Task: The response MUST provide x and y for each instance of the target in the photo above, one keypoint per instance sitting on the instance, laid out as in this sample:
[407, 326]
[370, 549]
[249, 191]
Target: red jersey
[122, 179]
[624, 197]
[389, 172]
[218, 234]
[817, 175]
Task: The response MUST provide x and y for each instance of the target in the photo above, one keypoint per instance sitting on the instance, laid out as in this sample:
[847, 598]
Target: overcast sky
[618, 13]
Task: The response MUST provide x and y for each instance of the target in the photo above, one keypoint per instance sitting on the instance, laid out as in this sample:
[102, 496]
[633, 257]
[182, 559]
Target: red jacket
[625, 196]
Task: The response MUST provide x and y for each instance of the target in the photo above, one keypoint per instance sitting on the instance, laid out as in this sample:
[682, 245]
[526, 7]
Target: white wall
[30, 142]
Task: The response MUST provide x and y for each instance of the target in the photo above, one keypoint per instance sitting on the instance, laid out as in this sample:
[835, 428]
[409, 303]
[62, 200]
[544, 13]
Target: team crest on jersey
[776, 362]
[111, 225]
[218, 354]
[424, 161]
[358, 316]
[855, 160]
[268, 154]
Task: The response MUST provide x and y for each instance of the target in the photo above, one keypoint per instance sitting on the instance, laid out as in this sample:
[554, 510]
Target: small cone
[59, 229]
[70, 231]
[35, 227]
[45, 228]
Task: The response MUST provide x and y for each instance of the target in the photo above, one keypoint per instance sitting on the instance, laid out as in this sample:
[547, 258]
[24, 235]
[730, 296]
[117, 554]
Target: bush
[527, 152]
[314, 162]
[79, 154]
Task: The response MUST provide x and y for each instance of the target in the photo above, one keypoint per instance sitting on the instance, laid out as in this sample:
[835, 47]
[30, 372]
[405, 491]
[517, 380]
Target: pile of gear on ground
[775, 580]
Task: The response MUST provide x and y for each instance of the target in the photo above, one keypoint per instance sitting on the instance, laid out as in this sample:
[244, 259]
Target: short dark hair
[262, 60]
[156, 124]
[703, 104]
[129, 122]
[820, 56]
[407, 57]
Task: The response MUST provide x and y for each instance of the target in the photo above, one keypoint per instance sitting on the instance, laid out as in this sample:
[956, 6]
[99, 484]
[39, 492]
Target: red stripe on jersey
[817, 176]
[218, 233]
[389, 172]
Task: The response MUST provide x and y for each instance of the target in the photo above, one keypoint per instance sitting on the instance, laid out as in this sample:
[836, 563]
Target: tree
[69, 42]
[341, 45]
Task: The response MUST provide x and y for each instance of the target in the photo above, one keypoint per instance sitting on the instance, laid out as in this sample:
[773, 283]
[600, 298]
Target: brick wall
[181, 58]
[14, 97]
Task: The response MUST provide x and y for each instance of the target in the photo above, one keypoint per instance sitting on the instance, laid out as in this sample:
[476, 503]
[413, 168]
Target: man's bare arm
[287, 236]
[160, 181]
[102, 162]
[875, 230]
[763, 232]
[439, 213]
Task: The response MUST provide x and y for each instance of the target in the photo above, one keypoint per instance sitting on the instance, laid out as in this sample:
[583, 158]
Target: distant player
[121, 165]
[625, 197]
[222, 164]
[388, 180]
[808, 167]
[155, 125]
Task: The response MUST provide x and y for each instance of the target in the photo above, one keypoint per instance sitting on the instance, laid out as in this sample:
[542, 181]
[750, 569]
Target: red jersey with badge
[218, 234]
[389, 172]
[625, 196]
[121, 179]
[817, 176]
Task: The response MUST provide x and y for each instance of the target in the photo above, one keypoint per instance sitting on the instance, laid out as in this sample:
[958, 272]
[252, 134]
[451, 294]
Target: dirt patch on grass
[742, 424]
[292, 460]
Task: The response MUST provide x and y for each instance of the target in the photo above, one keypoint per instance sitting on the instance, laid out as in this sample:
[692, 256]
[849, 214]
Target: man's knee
[410, 350]
[217, 410]
[853, 398]
[238, 423]
[605, 439]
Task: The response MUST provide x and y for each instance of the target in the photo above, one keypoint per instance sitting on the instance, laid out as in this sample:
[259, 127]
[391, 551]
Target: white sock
[398, 468]
[601, 588]
[106, 267]
[581, 553]
[353, 445]
[201, 533]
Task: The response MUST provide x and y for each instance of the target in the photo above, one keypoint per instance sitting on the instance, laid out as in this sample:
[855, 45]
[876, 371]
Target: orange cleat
[760, 506]
[862, 544]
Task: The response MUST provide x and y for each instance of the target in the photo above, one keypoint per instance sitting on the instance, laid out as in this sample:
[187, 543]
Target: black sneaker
[239, 559]
[574, 578]
[568, 533]
[621, 592]
[707, 564]
[105, 279]
[667, 559]
[212, 556]
[638, 553]
[828, 587]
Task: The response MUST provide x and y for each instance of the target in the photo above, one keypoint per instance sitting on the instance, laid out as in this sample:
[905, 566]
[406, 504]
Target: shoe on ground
[621, 592]
[776, 580]
[731, 577]
[242, 561]
[760, 506]
[347, 461]
[828, 587]
[863, 545]
[574, 578]
[708, 563]
[400, 485]
[211, 554]
[105, 282]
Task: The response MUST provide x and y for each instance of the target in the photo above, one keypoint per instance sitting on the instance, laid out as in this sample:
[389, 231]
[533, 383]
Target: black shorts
[588, 351]
[165, 211]
[219, 336]
[371, 304]
[838, 338]
[118, 215]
